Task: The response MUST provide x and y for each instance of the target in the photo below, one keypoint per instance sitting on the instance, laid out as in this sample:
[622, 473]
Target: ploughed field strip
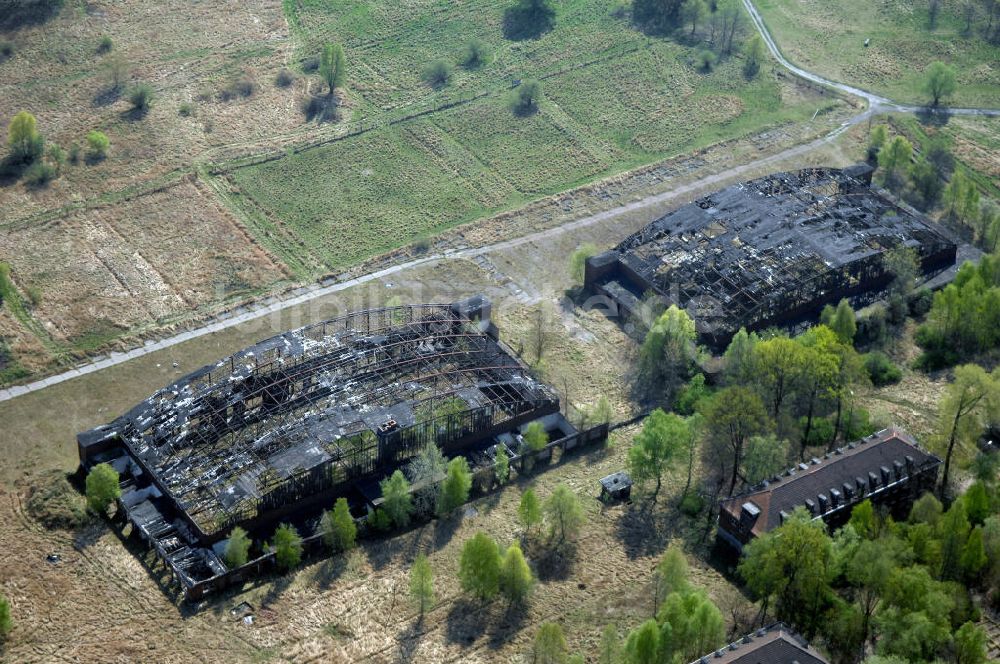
[770, 251]
[278, 430]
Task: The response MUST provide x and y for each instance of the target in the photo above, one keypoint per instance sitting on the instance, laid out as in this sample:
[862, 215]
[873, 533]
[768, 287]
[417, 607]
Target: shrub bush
[141, 97]
[706, 60]
[284, 78]
[97, 144]
[321, 109]
[311, 64]
[6, 49]
[243, 86]
[528, 19]
[474, 54]
[105, 45]
[39, 174]
[872, 327]
[919, 303]
[186, 110]
[526, 97]
[437, 73]
[54, 503]
[692, 504]
[881, 370]
[821, 432]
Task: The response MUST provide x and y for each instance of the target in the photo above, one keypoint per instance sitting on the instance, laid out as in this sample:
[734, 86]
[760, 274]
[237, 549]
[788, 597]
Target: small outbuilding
[617, 486]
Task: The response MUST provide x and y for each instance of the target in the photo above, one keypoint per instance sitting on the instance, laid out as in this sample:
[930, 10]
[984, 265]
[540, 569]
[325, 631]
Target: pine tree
[515, 575]
[396, 500]
[287, 546]
[643, 645]
[422, 584]
[237, 549]
[529, 511]
[338, 527]
[479, 567]
[550, 645]
[610, 652]
[456, 486]
[501, 465]
[6, 623]
[974, 555]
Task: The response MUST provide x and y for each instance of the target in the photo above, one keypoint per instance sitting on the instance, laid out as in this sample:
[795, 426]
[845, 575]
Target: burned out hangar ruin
[282, 428]
[767, 252]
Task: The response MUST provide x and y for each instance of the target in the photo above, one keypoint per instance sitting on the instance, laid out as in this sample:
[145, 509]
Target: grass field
[828, 38]
[90, 277]
[330, 206]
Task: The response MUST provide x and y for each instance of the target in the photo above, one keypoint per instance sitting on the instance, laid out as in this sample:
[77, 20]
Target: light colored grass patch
[828, 37]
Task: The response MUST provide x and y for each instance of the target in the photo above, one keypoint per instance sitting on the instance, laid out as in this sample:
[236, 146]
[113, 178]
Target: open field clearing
[188, 52]
[390, 42]
[975, 143]
[98, 274]
[829, 37]
[330, 206]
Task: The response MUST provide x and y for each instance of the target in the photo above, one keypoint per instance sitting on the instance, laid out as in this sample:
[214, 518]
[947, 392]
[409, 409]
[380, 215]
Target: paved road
[876, 104]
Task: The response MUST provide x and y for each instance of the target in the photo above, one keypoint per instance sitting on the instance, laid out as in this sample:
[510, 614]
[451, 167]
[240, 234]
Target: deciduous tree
[23, 139]
[102, 487]
[564, 513]
[893, 158]
[668, 353]
[663, 437]
[939, 81]
[479, 567]
[333, 66]
[732, 416]
[791, 564]
[237, 549]
[961, 412]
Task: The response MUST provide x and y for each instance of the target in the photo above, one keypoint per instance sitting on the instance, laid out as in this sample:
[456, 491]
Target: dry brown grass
[109, 270]
[183, 50]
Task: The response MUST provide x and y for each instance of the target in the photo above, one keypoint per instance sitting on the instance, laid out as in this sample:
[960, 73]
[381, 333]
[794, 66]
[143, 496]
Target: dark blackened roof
[876, 461]
[776, 644]
[757, 250]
